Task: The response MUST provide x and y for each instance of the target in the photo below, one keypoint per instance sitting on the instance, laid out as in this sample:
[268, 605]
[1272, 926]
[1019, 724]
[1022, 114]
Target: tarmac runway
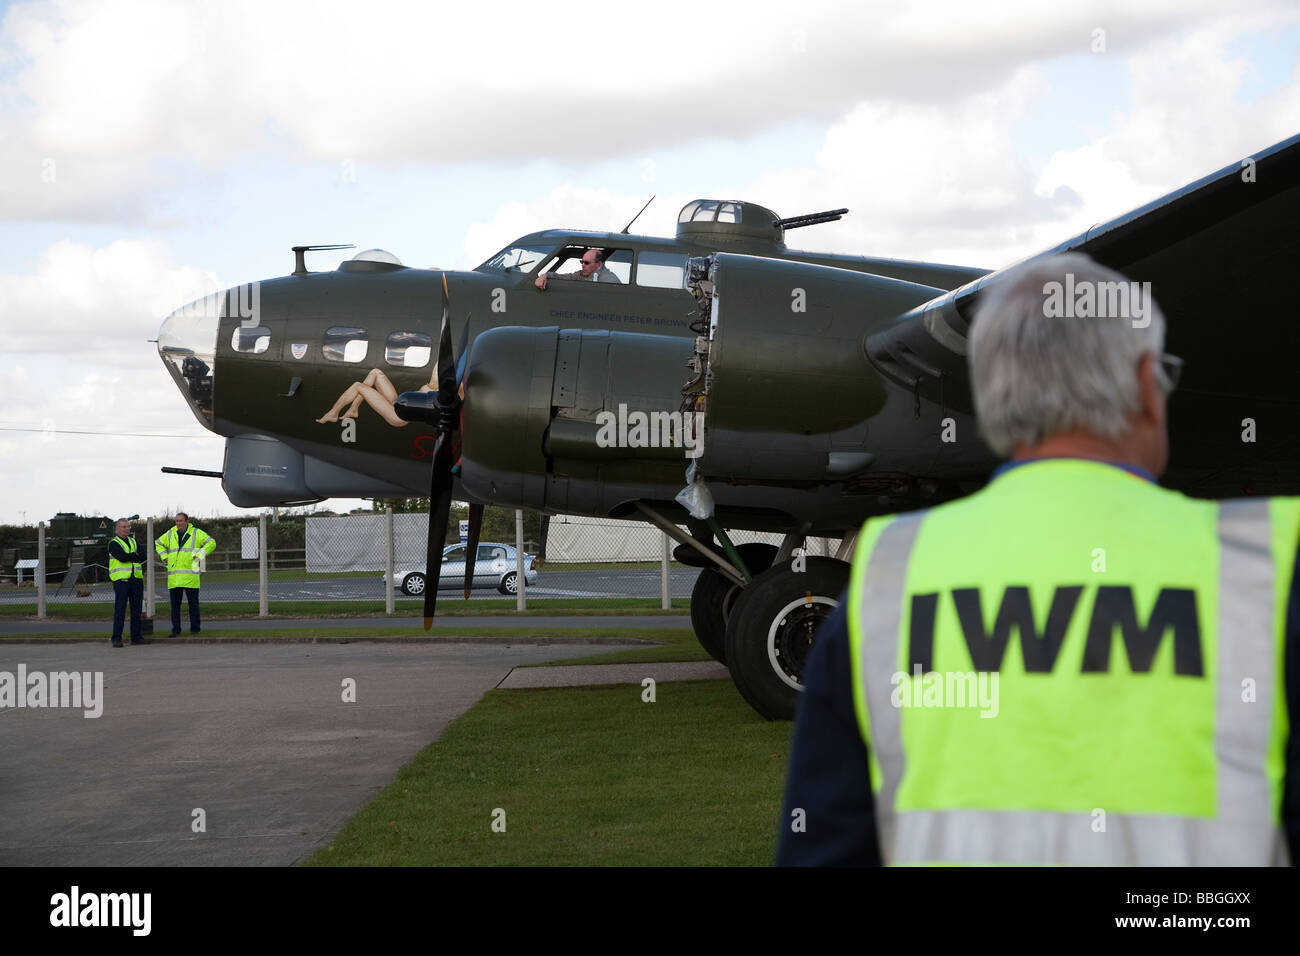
[256, 736]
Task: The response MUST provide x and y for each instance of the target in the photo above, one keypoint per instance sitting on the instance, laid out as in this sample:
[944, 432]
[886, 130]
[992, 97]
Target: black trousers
[129, 591]
[192, 600]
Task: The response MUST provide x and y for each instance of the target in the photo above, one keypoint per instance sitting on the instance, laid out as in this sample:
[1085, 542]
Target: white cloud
[571, 207]
[104, 303]
[60, 467]
[962, 191]
[116, 91]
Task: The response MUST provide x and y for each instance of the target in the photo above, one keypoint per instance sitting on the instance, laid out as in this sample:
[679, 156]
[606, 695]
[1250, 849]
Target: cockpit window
[255, 339]
[566, 264]
[408, 349]
[345, 345]
[516, 259]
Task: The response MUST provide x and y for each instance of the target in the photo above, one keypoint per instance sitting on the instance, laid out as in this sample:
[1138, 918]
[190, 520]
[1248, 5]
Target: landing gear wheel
[771, 628]
[509, 584]
[714, 594]
[413, 584]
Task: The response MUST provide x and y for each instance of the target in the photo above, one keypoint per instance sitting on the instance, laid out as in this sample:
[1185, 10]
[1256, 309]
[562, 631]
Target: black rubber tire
[714, 594]
[707, 617]
[771, 630]
[507, 585]
[416, 578]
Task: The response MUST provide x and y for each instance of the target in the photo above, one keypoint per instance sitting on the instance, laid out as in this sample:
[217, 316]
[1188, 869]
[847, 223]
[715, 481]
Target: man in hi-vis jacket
[124, 560]
[184, 550]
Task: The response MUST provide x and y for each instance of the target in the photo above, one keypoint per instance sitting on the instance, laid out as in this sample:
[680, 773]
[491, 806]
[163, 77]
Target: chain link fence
[376, 562]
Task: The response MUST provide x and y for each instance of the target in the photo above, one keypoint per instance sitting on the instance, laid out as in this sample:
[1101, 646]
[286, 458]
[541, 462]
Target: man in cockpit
[593, 270]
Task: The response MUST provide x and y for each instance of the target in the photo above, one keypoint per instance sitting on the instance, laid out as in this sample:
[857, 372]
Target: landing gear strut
[762, 629]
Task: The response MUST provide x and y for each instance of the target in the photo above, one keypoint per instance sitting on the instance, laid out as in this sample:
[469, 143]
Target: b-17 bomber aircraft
[719, 381]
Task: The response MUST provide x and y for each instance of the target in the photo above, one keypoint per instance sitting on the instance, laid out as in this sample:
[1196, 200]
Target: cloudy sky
[152, 152]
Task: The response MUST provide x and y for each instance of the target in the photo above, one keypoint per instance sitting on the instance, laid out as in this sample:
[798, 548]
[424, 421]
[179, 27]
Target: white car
[495, 567]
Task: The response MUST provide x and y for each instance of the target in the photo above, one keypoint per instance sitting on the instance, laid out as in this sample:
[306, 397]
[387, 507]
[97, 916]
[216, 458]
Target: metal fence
[377, 562]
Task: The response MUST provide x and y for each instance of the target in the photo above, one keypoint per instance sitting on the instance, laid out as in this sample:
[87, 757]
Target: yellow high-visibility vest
[184, 563]
[124, 570]
[1076, 666]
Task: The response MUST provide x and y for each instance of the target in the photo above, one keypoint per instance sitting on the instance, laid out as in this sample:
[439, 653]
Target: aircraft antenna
[300, 260]
[638, 215]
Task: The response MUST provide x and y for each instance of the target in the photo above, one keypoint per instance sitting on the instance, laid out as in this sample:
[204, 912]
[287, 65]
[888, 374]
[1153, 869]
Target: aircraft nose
[187, 344]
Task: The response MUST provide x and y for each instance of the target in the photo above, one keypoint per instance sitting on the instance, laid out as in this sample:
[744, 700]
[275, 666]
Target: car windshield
[516, 258]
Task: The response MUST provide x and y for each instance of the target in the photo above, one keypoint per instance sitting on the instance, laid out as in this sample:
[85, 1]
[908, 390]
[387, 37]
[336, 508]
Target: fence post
[665, 601]
[521, 601]
[389, 561]
[150, 580]
[263, 610]
[40, 569]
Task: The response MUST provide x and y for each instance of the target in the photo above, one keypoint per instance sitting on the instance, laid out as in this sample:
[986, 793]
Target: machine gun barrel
[810, 219]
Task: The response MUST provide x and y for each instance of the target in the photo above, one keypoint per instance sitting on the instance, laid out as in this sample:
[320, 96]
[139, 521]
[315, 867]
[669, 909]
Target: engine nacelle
[787, 386]
[542, 407]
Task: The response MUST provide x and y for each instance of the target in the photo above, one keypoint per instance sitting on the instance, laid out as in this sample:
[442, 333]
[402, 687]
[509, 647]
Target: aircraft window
[255, 339]
[619, 262]
[566, 262]
[729, 212]
[345, 345]
[707, 212]
[688, 211]
[408, 349]
[661, 270]
[516, 258]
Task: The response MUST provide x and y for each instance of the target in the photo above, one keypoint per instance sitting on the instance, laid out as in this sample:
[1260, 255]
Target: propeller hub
[426, 408]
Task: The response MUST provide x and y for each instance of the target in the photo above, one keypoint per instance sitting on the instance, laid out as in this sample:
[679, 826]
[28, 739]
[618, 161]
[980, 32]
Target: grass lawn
[586, 777]
[406, 607]
[671, 638]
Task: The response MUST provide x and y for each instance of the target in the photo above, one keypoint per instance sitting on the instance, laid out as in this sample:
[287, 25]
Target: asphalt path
[254, 740]
[614, 583]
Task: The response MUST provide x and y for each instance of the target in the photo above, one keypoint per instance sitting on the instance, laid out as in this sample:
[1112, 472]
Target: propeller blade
[439, 508]
[442, 407]
[462, 363]
[446, 359]
[471, 544]
[546, 527]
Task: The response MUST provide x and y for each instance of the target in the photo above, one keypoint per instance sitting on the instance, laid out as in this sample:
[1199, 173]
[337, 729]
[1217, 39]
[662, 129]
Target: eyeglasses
[1171, 370]
[589, 262]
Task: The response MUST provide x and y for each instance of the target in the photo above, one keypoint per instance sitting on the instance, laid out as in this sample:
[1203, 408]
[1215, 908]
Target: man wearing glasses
[593, 270]
[1136, 649]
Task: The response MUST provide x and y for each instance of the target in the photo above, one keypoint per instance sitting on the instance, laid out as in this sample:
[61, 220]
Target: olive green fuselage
[281, 391]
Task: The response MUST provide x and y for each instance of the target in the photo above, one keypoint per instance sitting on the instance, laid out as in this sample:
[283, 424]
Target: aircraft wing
[1219, 254]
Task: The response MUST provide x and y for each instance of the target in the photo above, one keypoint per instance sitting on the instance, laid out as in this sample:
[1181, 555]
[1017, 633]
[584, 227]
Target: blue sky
[194, 145]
